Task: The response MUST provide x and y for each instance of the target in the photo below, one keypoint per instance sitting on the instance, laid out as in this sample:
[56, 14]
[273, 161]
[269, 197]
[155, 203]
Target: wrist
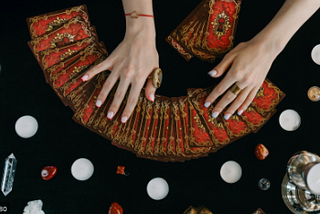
[143, 26]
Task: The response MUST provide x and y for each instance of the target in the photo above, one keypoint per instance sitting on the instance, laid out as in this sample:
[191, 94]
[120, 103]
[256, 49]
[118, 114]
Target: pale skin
[249, 62]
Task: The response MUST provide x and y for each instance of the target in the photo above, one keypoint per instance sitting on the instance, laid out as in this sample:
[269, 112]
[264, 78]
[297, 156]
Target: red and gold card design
[74, 30]
[208, 31]
[41, 24]
[53, 56]
[267, 98]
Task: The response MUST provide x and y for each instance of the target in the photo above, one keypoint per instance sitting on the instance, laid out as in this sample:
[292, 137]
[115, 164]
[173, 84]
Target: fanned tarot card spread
[66, 46]
[208, 31]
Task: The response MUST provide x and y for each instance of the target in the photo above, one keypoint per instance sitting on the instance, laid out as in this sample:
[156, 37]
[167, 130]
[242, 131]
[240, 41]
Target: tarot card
[198, 135]
[163, 135]
[253, 119]
[144, 128]
[114, 131]
[187, 56]
[64, 75]
[184, 117]
[75, 30]
[127, 140]
[267, 98]
[131, 135]
[214, 127]
[234, 126]
[76, 81]
[180, 150]
[41, 24]
[220, 28]
[75, 99]
[50, 57]
[88, 106]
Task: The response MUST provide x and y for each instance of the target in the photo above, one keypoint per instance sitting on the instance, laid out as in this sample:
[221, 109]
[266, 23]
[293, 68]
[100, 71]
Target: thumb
[223, 65]
[150, 90]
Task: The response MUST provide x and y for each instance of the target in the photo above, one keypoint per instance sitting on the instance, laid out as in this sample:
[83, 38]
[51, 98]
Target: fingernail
[110, 114]
[151, 97]
[215, 114]
[227, 116]
[240, 112]
[212, 73]
[207, 104]
[85, 77]
[124, 119]
[98, 103]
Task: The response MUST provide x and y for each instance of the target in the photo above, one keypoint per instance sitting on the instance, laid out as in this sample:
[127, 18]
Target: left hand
[250, 62]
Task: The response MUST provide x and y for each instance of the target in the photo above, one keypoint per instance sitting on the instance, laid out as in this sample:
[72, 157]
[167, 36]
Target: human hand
[131, 62]
[249, 64]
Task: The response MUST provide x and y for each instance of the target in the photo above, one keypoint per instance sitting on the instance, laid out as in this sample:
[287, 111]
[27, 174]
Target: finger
[225, 100]
[223, 65]
[118, 97]
[237, 102]
[131, 103]
[107, 86]
[219, 90]
[150, 90]
[248, 100]
[105, 65]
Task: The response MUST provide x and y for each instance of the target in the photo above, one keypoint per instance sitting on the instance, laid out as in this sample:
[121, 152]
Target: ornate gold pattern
[67, 54]
[77, 70]
[45, 17]
[260, 92]
[179, 48]
[60, 38]
[56, 22]
[221, 25]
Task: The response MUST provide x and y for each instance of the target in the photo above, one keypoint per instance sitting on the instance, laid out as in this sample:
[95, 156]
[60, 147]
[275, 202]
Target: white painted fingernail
[212, 73]
[98, 103]
[227, 116]
[124, 119]
[240, 112]
[207, 104]
[215, 114]
[151, 97]
[110, 114]
[85, 77]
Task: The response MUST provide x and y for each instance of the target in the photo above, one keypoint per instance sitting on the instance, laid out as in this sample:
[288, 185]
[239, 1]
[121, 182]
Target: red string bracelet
[135, 15]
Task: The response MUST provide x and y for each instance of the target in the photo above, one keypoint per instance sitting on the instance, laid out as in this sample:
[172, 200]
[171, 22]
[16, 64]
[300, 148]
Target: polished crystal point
[9, 171]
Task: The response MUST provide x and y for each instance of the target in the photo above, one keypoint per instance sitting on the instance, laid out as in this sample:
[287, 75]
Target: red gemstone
[115, 208]
[48, 172]
[120, 170]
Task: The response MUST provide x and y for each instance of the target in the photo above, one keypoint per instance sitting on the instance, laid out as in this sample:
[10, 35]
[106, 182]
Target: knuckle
[128, 74]
[119, 95]
[113, 107]
[219, 90]
[229, 97]
[132, 101]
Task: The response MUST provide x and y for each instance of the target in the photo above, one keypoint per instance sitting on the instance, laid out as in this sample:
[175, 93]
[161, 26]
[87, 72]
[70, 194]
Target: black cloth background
[60, 141]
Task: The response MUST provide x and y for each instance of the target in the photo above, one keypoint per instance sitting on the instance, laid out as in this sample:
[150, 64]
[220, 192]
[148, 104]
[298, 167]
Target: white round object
[157, 188]
[289, 120]
[313, 179]
[26, 126]
[82, 169]
[315, 54]
[231, 172]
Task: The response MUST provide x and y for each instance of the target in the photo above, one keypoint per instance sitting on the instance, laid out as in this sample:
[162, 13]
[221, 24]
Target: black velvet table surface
[60, 141]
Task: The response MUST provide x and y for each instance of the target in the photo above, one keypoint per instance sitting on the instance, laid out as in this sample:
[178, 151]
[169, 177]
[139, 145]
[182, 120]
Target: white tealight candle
[82, 169]
[315, 54]
[313, 179]
[157, 188]
[26, 126]
[289, 120]
[231, 172]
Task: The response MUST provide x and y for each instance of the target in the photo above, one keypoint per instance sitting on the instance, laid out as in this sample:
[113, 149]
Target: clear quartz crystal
[9, 171]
